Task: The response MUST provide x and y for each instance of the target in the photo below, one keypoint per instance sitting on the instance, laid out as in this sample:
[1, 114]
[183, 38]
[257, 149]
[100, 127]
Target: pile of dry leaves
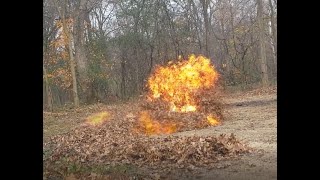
[112, 144]
[117, 141]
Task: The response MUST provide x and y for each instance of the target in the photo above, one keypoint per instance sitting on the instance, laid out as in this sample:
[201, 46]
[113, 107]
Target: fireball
[177, 83]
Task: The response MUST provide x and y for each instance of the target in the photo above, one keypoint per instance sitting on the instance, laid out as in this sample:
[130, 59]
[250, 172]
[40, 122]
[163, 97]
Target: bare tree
[205, 4]
[80, 52]
[48, 90]
[274, 31]
[62, 12]
[263, 58]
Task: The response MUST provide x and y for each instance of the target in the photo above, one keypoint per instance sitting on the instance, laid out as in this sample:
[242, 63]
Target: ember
[153, 126]
[212, 120]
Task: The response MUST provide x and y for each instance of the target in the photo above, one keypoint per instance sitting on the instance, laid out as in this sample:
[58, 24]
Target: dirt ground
[250, 116]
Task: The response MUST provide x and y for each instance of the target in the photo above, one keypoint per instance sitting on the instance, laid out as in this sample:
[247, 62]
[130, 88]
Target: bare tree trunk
[206, 26]
[151, 58]
[68, 34]
[80, 53]
[48, 90]
[123, 78]
[274, 34]
[88, 24]
[273, 27]
[73, 72]
[135, 49]
[172, 30]
[263, 58]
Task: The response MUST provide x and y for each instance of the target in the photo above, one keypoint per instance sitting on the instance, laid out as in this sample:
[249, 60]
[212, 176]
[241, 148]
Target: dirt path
[254, 120]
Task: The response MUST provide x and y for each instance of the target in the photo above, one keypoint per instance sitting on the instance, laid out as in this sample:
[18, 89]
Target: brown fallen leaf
[71, 177]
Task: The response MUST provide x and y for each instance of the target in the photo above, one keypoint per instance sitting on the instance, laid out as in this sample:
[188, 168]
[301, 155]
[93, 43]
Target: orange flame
[177, 83]
[97, 119]
[154, 127]
[212, 121]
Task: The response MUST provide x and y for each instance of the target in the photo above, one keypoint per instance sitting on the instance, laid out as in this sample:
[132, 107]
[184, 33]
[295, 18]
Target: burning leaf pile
[152, 126]
[109, 145]
[182, 96]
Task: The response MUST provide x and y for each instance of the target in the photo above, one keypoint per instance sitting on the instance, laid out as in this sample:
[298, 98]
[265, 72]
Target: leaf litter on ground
[119, 141]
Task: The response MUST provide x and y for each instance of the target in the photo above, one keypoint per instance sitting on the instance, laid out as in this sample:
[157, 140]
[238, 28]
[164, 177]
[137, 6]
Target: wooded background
[104, 50]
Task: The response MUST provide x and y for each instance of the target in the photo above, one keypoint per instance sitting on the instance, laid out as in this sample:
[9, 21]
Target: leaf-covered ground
[74, 149]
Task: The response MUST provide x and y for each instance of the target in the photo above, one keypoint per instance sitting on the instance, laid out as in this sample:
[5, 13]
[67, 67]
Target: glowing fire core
[178, 82]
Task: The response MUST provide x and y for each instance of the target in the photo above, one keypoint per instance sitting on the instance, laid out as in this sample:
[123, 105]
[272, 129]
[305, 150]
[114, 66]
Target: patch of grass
[46, 153]
[101, 169]
[124, 168]
[54, 126]
[71, 167]
[112, 171]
